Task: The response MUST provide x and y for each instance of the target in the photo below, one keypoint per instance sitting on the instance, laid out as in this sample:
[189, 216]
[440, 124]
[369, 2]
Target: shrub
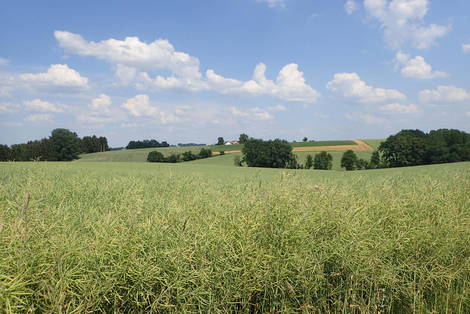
[205, 153]
[222, 152]
[188, 156]
[174, 158]
[155, 157]
[237, 161]
[360, 164]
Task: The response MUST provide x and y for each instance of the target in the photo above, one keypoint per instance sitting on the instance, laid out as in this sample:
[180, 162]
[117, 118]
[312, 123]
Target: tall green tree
[323, 161]
[309, 162]
[67, 144]
[375, 160]
[220, 141]
[305, 139]
[243, 138]
[349, 160]
[5, 153]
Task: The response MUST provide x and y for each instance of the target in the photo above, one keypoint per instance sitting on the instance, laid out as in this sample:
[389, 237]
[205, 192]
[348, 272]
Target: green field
[196, 238]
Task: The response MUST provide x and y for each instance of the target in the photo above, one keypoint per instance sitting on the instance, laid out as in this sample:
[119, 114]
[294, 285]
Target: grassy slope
[174, 238]
[375, 143]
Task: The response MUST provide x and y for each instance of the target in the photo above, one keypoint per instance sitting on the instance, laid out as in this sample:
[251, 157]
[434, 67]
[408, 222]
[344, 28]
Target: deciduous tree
[66, 143]
[349, 160]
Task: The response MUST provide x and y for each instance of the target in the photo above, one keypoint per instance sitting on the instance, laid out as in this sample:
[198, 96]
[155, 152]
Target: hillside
[140, 155]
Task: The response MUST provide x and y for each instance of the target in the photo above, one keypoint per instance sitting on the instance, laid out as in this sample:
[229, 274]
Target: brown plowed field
[360, 147]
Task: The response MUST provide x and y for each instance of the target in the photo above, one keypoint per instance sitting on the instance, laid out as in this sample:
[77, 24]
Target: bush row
[156, 156]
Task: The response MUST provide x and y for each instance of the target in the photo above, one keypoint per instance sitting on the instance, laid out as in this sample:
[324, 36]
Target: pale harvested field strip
[360, 147]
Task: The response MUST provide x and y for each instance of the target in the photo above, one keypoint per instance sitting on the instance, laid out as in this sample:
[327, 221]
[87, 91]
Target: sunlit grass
[84, 237]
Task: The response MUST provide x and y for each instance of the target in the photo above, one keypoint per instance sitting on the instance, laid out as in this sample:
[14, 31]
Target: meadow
[192, 238]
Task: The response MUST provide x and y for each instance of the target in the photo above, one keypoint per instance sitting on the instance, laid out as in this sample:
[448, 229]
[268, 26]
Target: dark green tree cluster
[175, 158]
[146, 144]
[414, 147]
[62, 145]
[350, 162]
[93, 144]
[268, 154]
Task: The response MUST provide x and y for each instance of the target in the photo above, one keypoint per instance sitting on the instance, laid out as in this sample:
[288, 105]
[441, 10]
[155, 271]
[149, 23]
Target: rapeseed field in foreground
[141, 238]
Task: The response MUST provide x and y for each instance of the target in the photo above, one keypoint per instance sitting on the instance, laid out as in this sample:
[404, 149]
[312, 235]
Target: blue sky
[191, 71]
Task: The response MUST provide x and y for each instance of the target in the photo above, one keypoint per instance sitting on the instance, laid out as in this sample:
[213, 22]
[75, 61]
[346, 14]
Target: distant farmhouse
[231, 143]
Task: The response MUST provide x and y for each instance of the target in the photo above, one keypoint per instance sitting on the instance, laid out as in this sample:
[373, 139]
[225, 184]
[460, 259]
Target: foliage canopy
[268, 154]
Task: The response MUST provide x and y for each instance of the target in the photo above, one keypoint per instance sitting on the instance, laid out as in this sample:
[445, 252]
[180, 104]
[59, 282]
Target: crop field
[189, 238]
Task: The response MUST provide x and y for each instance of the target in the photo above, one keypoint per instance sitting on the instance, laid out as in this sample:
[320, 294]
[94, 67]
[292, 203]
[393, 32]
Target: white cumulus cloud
[9, 108]
[59, 78]
[367, 118]
[403, 21]
[398, 108]
[417, 68]
[350, 6]
[277, 108]
[251, 114]
[349, 85]
[133, 59]
[41, 106]
[131, 54]
[101, 104]
[290, 84]
[466, 48]
[140, 106]
[444, 94]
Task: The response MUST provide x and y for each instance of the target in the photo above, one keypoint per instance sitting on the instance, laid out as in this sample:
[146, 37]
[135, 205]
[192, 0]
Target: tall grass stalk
[75, 240]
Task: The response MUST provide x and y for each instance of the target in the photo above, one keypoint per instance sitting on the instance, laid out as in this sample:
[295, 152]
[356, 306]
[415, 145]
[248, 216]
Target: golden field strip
[360, 147]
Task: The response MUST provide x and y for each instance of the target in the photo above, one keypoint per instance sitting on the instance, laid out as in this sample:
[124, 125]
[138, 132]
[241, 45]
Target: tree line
[414, 147]
[146, 144]
[62, 145]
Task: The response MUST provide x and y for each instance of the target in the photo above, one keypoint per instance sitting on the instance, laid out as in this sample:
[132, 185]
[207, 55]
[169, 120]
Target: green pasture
[127, 237]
